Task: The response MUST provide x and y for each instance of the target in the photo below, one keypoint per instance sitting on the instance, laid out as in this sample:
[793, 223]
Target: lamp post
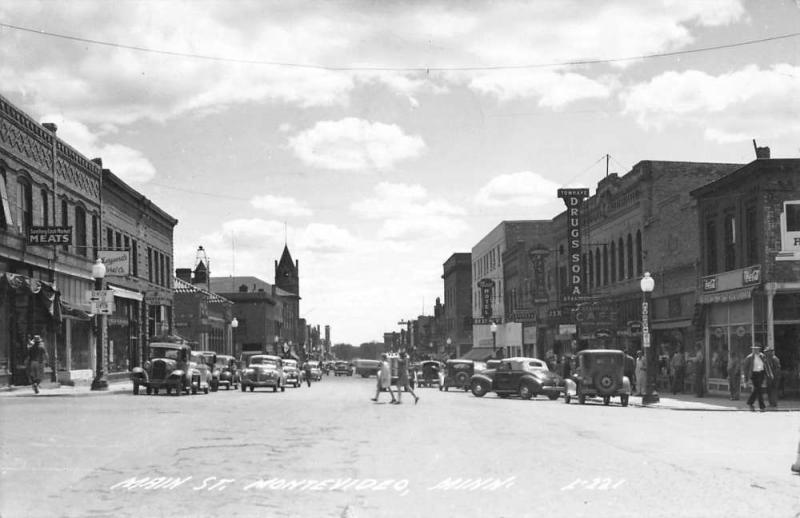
[651, 394]
[234, 325]
[449, 343]
[99, 382]
[494, 336]
[275, 341]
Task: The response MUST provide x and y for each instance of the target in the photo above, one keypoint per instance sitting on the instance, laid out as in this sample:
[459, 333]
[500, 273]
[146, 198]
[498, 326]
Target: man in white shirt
[755, 367]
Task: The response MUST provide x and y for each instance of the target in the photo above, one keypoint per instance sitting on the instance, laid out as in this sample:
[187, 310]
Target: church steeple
[287, 272]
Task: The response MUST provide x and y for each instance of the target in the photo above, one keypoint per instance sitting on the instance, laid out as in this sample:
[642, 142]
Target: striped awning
[726, 296]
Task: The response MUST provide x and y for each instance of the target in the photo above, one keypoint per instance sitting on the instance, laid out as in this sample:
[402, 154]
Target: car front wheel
[479, 388]
[525, 391]
[567, 398]
[553, 397]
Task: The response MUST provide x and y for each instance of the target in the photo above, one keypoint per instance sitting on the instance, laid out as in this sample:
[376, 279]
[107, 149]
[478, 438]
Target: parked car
[227, 371]
[264, 371]
[328, 367]
[167, 367]
[459, 372]
[599, 373]
[367, 368]
[431, 373]
[526, 377]
[211, 361]
[201, 372]
[291, 372]
[342, 369]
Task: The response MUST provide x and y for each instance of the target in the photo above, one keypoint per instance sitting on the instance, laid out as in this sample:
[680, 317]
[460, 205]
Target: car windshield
[260, 360]
[198, 358]
[292, 364]
[164, 352]
[607, 360]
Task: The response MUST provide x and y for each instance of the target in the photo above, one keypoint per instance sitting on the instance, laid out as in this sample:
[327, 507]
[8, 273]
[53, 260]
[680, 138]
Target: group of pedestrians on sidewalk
[402, 383]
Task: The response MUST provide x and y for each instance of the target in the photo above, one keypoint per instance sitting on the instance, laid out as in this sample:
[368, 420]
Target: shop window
[5, 215]
[25, 206]
[711, 247]
[80, 231]
[730, 242]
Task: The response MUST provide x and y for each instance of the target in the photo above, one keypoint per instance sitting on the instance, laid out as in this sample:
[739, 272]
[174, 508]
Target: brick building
[136, 245]
[202, 317]
[457, 320]
[749, 283]
[45, 183]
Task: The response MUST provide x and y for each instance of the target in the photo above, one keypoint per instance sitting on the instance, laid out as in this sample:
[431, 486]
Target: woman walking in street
[36, 359]
[402, 379]
[384, 379]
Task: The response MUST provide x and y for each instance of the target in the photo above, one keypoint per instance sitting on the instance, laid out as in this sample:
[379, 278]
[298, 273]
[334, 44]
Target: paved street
[329, 451]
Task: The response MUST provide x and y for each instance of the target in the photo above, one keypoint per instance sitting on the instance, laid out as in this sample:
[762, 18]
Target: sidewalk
[712, 403]
[50, 389]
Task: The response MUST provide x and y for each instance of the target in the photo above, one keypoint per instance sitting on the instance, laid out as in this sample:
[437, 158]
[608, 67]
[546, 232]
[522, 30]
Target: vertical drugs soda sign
[573, 198]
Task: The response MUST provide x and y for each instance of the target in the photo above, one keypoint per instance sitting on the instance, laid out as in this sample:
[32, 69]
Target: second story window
[25, 206]
[711, 247]
[751, 228]
[65, 220]
[45, 208]
[80, 231]
[730, 242]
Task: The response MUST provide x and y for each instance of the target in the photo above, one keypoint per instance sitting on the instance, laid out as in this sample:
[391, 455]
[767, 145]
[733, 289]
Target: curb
[26, 391]
[715, 408]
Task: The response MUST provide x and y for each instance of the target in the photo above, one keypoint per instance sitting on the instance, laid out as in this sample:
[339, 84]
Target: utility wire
[398, 69]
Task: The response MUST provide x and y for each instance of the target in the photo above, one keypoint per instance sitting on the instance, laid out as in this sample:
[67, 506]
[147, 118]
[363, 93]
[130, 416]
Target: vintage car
[431, 373]
[227, 371]
[211, 362]
[459, 372]
[526, 377]
[167, 367]
[264, 370]
[342, 369]
[201, 372]
[367, 368]
[599, 373]
[291, 372]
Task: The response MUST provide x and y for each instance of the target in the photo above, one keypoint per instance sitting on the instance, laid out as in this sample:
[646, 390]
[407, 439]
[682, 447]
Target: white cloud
[408, 213]
[735, 106]
[327, 238]
[280, 206]
[127, 163]
[522, 189]
[353, 144]
[553, 89]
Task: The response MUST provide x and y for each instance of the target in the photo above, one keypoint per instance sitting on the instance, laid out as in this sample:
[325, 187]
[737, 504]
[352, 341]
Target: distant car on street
[292, 372]
[459, 372]
[367, 368]
[264, 370]
[227, 371]
[599, 373]
[525, 377]
[201, 372]
[316, 371]
[431, 373]
[342, 369]
[211, 361]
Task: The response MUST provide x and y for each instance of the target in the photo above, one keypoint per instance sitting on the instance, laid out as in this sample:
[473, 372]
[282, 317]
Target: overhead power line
[397, 69]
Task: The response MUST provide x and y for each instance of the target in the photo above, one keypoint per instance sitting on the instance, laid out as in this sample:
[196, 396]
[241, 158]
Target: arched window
[65, 219]
[598, 268]
[605, 265]
[45, 208]
[590, 271]
[613, 262]
[639, 253]
[621, 258]
[80, 231]
[25, 205]
[5, 210]
[630, 256]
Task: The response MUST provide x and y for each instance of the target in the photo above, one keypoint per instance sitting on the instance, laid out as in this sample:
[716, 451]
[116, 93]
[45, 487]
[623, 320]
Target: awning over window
[674, 324]
[68, 310]
[480, 354]
[122, 293]
[726, 296]
[49, 296]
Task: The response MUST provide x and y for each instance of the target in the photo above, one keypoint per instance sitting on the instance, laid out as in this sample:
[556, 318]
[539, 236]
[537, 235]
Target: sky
[376, 139]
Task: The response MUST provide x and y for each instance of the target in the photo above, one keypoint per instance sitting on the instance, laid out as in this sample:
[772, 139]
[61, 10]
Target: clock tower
[287, 279]
[287, 273]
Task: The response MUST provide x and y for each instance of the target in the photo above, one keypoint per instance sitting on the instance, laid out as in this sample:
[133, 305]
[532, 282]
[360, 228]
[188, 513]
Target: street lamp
[275, 344]
[494, 336]
[449, 343]
[234, 325]
[651, 394]
[99, 382]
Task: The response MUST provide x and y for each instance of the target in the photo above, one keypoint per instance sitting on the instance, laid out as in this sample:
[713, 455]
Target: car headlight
[147, 364]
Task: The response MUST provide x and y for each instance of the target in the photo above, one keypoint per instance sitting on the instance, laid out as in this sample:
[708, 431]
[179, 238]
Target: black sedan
[525, 377]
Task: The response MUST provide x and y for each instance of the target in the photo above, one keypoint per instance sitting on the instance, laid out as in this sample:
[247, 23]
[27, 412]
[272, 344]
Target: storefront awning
[726, 296]
[675, 324]
[479, 354]
[68, 310]
[122, 293]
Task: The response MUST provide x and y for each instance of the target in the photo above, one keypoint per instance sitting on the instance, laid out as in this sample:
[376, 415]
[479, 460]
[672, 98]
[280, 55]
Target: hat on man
[756, 346]
[37, 339]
